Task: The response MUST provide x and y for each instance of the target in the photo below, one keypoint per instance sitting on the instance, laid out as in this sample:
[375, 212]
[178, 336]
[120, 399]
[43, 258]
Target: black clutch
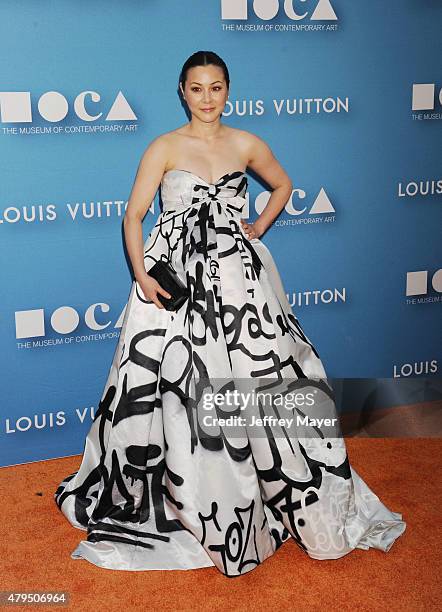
[169, 280]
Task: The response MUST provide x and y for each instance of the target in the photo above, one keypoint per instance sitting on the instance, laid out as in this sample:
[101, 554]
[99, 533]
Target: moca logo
[15, 107]
[321, 204]
[424, 95]
[64, 320]
[268, 9]
[417, 282]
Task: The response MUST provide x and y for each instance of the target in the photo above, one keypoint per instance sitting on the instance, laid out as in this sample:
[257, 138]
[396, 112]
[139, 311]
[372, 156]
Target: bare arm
[263, 162]
[148, 177]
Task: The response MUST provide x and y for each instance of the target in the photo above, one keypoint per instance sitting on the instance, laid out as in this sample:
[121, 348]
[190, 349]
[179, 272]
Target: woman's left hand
[252, 230]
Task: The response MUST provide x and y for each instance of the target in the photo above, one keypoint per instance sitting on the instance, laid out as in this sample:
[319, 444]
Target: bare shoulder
[163, 147]
[170, 137]
[261, 159]
[163, 141]
[251, 145]
[157, 145]
[245, 135]
[159, 149]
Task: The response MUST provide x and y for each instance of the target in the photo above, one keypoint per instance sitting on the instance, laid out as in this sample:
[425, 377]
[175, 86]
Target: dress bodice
[181, 188]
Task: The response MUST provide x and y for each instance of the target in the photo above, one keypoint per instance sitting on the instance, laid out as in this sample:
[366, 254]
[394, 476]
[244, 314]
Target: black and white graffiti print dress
[158, 486]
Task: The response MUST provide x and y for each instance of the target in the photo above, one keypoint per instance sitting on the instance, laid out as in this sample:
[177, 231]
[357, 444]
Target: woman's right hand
[150, 287]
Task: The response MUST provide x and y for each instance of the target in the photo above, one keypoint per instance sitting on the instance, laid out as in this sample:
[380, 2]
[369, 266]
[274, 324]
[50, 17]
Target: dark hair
[203, 58]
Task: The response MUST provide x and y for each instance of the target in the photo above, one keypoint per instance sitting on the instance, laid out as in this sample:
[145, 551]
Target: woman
[171, 477]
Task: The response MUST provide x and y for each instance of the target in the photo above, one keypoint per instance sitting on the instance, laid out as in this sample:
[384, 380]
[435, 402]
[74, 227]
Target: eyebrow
[196, 82]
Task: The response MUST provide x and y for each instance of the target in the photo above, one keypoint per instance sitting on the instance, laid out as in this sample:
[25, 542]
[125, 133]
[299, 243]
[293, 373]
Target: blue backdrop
[348, 96]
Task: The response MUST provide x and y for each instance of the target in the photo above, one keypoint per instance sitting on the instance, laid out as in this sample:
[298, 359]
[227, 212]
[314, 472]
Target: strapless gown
[158, 486]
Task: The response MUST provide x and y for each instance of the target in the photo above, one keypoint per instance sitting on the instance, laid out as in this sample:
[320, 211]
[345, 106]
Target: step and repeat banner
[347, 94]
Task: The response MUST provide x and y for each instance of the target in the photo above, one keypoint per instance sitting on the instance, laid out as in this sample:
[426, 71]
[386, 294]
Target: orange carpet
[405, 473]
